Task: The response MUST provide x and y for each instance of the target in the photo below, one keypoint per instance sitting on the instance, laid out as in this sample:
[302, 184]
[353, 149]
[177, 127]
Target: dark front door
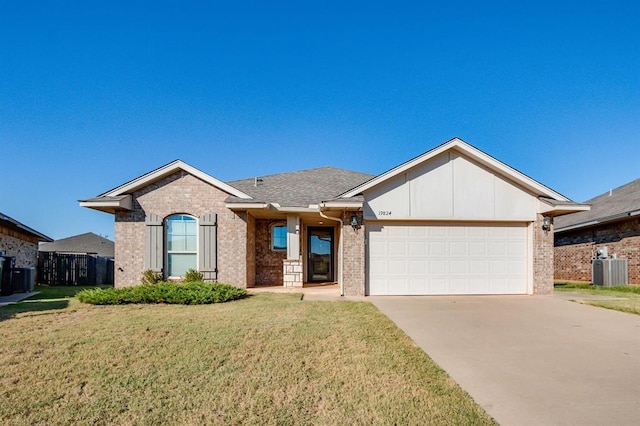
[320, 254]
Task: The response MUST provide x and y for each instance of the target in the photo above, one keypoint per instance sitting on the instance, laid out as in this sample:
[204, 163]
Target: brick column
[542, 258]
[353, 252]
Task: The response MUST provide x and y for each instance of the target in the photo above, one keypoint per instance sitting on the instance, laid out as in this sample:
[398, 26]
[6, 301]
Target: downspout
[340, 255]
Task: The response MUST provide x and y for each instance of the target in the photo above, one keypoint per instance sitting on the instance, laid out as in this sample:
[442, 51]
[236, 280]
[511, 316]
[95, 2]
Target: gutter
[340, 254]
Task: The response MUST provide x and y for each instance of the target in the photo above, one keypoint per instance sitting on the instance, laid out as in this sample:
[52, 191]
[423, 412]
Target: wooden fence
[74, 269]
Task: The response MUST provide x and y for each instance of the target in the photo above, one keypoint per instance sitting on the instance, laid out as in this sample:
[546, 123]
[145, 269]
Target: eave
[108, 204]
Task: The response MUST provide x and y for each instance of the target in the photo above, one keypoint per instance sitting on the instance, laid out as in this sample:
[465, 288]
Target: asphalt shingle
[300, 188]
[83, 243]
[617, 202]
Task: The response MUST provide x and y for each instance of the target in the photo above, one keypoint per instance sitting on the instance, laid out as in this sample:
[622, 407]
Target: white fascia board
[243, 206]
[472, 152]
[168, 170]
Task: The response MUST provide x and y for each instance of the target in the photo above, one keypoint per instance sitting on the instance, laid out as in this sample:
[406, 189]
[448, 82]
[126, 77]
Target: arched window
[181, 244]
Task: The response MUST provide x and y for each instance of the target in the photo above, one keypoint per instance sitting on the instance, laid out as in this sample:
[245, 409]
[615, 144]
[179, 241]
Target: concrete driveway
[530, 360]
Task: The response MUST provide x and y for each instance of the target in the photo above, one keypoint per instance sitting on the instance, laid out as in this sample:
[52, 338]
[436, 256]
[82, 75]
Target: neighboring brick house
[451, 221]
[612, 222]
[20, 241]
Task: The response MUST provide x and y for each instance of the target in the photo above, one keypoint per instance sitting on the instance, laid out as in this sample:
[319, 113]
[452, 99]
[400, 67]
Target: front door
[320, 254]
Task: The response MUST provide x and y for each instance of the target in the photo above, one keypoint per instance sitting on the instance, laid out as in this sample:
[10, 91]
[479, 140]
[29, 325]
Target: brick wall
[542, 258]
[23, 247]
[180, 193]
[575, 249]
[353, 257]
[268, 270]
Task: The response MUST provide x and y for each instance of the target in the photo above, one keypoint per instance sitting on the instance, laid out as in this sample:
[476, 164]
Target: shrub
[194, 293]
[192, 276]
[151, 277]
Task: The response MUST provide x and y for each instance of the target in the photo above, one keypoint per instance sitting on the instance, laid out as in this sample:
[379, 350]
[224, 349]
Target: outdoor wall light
[546, 224]
[354, 222]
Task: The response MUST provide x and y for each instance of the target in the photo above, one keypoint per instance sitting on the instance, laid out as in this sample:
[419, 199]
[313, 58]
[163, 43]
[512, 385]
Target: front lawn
[629, 295]
[266, 359]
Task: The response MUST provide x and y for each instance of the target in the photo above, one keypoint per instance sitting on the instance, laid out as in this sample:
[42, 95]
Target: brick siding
[574, 249]
[186, 194]
[268, 269]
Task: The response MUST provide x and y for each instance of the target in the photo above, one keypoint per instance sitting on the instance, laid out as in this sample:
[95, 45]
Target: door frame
[309, 269]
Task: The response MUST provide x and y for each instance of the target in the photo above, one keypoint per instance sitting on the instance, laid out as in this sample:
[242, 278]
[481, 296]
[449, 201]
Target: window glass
[180, 263]
[279, 237]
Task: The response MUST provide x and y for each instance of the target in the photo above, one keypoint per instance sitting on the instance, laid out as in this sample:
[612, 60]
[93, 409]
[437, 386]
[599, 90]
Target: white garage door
[413, 259]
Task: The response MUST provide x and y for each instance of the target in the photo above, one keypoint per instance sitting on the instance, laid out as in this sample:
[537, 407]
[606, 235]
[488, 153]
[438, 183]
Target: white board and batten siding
[449, 226]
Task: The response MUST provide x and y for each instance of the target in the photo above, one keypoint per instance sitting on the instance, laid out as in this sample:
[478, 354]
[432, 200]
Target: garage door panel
[417, 267]
[417, 286]
[397, 267]
[459, 267]
[446, 259]
[497, 248]
[437, 286]
[438, 267]
[458, 286]
[417, 248]
[458, 248]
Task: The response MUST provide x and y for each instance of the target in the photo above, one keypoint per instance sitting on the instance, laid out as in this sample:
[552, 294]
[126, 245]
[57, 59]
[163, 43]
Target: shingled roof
[301, 188]
[616, 204]
[83, 243]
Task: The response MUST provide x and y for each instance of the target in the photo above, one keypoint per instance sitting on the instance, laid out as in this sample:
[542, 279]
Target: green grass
[629, 295]
[265, 359]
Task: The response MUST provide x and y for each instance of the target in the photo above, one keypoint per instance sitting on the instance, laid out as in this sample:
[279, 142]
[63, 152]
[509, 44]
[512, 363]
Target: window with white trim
[181, 244]
[279, 237]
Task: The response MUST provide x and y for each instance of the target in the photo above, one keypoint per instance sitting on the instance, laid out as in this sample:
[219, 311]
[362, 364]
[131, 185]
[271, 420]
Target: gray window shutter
[207, 250]
[154, 243]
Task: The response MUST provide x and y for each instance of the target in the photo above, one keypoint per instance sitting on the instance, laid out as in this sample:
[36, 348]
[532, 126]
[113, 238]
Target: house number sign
[384, 213]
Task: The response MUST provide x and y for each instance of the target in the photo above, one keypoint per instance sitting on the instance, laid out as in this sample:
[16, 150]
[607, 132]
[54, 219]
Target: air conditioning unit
[610, 272]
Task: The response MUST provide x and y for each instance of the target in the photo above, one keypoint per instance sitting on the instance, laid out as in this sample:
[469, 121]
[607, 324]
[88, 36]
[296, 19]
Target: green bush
[194, 293]
[192, 276]
[151, 277]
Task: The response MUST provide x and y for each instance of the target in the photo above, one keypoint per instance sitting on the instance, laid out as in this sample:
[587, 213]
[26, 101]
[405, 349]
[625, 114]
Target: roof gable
[615, 204]
[167, 170]
[458, 145]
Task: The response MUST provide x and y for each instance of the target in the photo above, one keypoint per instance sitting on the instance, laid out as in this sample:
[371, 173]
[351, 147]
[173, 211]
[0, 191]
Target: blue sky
[95, 93]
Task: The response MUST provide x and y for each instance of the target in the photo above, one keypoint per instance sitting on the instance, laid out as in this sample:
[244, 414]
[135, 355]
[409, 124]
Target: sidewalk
[8, 300]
